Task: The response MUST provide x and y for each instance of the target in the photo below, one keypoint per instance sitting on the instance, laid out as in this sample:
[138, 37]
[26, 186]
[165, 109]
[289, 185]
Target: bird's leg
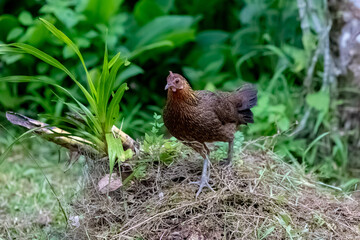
[228, 160]
[230, 151]
[204, 181]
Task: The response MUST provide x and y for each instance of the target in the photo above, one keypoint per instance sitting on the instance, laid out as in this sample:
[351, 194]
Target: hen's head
[176, 82]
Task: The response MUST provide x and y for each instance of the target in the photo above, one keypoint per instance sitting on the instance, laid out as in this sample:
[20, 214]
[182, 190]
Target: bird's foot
[225, 162]
[204, 182]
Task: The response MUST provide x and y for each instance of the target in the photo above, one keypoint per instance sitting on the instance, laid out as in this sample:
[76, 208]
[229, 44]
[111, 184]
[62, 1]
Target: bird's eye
[177, 81]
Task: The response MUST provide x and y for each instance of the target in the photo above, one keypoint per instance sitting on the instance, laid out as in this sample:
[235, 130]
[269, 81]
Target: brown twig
[65, 139]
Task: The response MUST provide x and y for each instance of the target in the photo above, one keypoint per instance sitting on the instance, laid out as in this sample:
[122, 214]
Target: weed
[222, 147]
[103, 110]
[29, 208]
[160, 149]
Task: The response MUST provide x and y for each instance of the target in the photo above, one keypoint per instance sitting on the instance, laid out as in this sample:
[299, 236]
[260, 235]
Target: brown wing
[222, 106]
[241, 100]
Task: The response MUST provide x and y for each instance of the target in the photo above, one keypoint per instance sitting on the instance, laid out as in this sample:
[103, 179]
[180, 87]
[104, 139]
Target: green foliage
[221, 151]
[103, 112]
[160, 149]
[32, 183]
[215, 45]
[319, 101]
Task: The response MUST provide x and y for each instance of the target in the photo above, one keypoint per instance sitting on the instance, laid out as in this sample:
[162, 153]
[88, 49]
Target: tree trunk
[345, 47]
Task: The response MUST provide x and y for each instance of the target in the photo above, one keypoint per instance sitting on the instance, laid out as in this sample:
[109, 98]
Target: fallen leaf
[105, 185]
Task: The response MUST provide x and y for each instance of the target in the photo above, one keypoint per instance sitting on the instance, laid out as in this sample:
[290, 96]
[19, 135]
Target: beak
[168, 85]
[169, 82]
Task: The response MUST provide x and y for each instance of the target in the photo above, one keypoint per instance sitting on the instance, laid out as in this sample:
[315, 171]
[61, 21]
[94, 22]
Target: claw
[204, 182]
[225, 162]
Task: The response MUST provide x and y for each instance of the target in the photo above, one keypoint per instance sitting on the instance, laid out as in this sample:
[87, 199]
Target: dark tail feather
[246, 98]
[246, 116]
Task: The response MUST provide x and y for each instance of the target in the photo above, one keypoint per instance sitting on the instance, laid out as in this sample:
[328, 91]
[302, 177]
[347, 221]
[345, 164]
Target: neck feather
[186, 95]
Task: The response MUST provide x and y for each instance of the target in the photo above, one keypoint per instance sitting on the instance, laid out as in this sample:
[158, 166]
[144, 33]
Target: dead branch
[64, 138]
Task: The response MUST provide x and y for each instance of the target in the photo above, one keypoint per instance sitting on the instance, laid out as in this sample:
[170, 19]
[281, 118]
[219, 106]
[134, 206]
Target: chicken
[197, 117]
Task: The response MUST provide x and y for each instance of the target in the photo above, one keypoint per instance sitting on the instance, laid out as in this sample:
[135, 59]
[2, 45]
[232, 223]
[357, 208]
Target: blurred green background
[215, 44]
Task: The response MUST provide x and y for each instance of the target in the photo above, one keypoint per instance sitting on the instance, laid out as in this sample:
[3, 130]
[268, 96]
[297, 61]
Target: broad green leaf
[180, 37]
[309, 41]
[68, 52]
[152, 46]
[165, 5]
[147, 10]
[7, 22]
[251, 12]
[99, 11]
[212, 61]
[211, 37]
[276, 51]
[155, 30]
[35, 35]
[320, 100]
[127, 73]
[284, 124]
[299, 57]
[192, 73]
[25, 18]
[62, 11]
[14, 33]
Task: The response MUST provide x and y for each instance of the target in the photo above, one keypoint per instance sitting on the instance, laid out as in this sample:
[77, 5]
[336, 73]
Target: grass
[259, 197]
[29, 209]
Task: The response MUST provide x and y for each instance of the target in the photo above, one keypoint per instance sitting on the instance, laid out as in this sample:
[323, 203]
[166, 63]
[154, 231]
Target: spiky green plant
[103, 102]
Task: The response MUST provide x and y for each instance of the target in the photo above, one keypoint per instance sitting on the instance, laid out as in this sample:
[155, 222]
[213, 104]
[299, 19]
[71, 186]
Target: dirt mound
[260, 197]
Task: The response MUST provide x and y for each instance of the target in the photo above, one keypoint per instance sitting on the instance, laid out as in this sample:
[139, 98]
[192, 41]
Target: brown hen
[197, 117]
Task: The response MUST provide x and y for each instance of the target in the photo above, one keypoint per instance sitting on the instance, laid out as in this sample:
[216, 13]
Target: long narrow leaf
[111, 81]
[46, 80]
[25, 48]
[6, 49]
[17, 140]
[42, 56]
[113, 107]
[61, 36]
[116, 151]
[111, 149]
[113, 60]
[21, 137]
[313, 143]
[101, 91]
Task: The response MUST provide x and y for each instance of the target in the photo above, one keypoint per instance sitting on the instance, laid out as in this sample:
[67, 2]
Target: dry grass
[263, 198]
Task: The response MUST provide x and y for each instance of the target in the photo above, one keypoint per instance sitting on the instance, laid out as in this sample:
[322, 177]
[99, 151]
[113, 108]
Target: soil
[258, 197]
